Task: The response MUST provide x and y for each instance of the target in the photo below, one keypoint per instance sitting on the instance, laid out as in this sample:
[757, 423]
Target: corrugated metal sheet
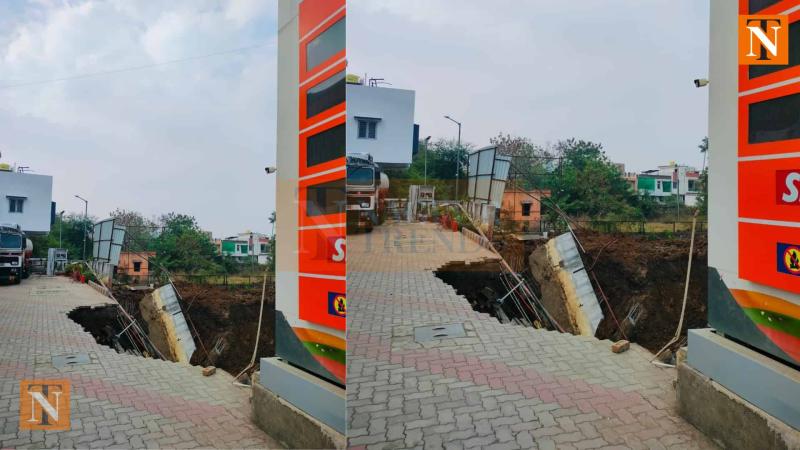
[571, 262]
[487, 174]
[173, 309]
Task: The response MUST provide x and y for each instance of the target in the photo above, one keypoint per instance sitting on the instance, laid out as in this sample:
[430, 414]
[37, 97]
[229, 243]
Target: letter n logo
[764, 40]
[44, 405]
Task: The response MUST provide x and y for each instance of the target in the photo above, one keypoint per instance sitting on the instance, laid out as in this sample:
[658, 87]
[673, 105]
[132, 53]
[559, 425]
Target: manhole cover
[433, 332]
[59, 362]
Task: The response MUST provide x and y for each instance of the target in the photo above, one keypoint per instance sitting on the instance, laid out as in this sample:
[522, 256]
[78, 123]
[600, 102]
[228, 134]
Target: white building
[669, 181]
[246, 246]
[26, 200]
[380, 121]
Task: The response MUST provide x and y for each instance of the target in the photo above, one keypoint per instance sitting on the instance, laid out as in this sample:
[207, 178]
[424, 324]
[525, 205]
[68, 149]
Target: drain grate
[59, 362]
[434, 332]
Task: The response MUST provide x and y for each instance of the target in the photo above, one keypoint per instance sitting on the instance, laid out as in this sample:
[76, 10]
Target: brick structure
[118, 400]
[500, 386]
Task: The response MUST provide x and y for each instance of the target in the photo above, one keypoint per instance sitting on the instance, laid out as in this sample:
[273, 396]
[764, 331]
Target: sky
[618, 72]
[191, 137]
[191, 133]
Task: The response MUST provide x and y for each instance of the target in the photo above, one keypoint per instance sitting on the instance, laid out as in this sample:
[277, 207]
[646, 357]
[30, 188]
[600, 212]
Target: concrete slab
[767, 384]
[289, 424]
[728, 419]
[319, 398]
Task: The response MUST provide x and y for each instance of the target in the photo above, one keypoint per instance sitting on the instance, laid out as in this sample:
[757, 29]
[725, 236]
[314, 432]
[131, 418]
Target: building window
[326, 198]
[774, 120]
[15, 204]
[658, 185]
[325, 146]
[327, 44]
[263, 248]
[137, 266]
[526, 209]
[367, 128]
[325, 95]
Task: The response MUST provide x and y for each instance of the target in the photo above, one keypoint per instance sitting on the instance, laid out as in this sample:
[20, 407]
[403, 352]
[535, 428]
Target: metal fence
[229, 280]
[620, 226]
[641, 227]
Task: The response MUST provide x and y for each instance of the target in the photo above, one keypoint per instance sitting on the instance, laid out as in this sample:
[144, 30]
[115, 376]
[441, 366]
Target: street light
[85, 219]
[60, 222]
[458, 151]
[427, 139]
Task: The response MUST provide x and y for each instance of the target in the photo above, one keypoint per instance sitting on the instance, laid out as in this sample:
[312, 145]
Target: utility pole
[458, 152]
[427, 139]
[85, 219]
[60, 224]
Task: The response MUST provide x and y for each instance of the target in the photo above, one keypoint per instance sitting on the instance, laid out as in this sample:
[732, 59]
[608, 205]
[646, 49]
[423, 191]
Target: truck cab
[366, 189]
[15, 252]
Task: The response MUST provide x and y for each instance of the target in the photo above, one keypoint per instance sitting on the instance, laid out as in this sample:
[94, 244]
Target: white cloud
[615, 71]
[190, 137]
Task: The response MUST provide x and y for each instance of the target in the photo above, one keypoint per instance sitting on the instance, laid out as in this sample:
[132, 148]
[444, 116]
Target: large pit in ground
[226, 320]
[640, 273]
[105, 325]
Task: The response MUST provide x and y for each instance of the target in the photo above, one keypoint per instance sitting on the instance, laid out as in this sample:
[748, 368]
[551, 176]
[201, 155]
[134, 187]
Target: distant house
[655, 185]
[522, 208]
[245, 247]
[135, 264]
[670, 181]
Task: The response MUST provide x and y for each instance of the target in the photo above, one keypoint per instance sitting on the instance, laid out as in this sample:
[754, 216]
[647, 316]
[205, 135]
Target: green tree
[442, 157]
[182, 246]
[588, 184]
[271, 262]
[531, 165]
[702, 197]
[140, 232]
[71, 229]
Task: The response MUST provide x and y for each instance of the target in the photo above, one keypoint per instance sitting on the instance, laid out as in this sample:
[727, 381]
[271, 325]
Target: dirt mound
[516, 251]
[227, 318]
[650, 271]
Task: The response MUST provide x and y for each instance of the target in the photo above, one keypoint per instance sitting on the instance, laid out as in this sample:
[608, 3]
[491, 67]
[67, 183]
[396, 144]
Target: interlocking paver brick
[118, 400]
[502, 384]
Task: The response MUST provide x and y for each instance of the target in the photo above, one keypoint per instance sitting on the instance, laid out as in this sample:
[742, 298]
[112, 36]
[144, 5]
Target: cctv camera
[270, 169]
[700, 82]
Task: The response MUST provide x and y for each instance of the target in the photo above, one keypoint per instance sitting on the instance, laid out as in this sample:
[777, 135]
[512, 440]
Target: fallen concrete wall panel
[569, 258]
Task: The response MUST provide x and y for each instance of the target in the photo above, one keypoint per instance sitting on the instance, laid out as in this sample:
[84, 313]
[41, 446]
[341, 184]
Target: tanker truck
[367, 186]
[15, 254]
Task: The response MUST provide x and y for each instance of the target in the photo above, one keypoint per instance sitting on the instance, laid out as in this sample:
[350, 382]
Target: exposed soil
[479, 282]
[516, 251]
[644, 270]
[650, 271]
[103, 324]
[228, 318]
